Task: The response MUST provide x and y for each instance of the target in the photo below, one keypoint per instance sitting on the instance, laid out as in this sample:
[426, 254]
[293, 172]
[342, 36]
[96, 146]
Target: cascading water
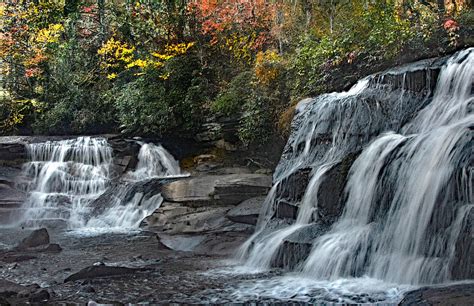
[65, 178]
[155, 161]
[407, 194]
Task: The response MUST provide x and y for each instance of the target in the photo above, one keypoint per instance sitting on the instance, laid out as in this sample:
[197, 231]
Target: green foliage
[153, 105]
[231, 100]
[377, 31]
[256, 124]
[72, 95]
[142, 107]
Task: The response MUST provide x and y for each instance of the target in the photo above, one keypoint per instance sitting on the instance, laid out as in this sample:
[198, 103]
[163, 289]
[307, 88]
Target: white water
[65, 177]
[155, 161]
[396, 250]
[259, 251]
[386, 241]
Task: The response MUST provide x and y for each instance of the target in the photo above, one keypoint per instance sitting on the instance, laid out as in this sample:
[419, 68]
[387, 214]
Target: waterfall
[408, 192]
[64, 176]
[155, 161]
[65, 179]
[129, 205]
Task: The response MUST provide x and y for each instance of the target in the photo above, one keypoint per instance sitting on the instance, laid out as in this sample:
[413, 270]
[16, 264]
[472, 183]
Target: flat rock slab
[247, 212]
[228, 189]
[100, 271]
[460, 295]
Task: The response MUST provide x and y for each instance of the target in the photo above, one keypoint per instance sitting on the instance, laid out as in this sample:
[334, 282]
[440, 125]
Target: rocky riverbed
[125, 268]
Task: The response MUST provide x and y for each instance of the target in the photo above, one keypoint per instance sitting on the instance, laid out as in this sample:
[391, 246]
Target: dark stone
[39, 296]
[88, 289]
[10, 257]
[4, 301]
[8, 289]
[37, 238]
[53, 248]
[331, 190]
[100, 271]
[293, 187]
[286, 210]
[146, 188]
[459, 295]
[297, 246]
[463, 263]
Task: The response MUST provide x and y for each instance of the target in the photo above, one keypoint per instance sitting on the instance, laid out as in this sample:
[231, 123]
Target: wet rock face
[12, 150]
[331, 193]
[297, 246]
[333, 129]
[463, 265]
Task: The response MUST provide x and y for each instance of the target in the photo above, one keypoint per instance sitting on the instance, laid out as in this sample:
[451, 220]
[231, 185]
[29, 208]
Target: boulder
[8, 288]
[240, 187]
[246, 212]
[39, 237]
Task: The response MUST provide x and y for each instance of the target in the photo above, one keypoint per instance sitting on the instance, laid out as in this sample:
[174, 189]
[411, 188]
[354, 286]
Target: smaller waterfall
[155, 161]
[66, 178]
[62, 177]
[129, 205]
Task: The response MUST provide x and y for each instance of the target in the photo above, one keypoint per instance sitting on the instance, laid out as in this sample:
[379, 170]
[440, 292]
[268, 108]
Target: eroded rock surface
[246, 212]
[216, 189]
[459, 295]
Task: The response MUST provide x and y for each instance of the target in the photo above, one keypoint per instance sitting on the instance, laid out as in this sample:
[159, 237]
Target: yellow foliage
[114, 51]
[268, 66]
[172, 50]
[240, 45]
[51, 34]
[17, 110]
[121, 56]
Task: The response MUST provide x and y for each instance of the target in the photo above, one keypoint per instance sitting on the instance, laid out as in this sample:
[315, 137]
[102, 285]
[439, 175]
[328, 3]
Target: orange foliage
[220, 18]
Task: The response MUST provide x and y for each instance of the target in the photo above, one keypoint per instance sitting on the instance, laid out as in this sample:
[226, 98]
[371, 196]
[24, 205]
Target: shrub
[159, 101]
[232, 99]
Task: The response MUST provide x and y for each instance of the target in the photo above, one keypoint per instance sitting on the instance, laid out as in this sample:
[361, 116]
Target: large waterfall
[66, 178]
[408, 190]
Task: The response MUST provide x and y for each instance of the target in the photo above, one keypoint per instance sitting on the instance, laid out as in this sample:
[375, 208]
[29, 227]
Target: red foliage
[88, 9]
[244, 16]
[451, 25]
[32, 72]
